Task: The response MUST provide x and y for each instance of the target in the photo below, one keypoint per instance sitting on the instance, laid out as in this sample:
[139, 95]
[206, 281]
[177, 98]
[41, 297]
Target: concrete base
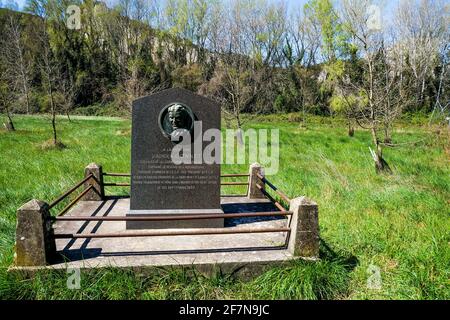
[245, 255]
[175, 224]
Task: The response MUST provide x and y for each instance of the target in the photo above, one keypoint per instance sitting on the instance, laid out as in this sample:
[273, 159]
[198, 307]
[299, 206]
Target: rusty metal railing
[175, 217]
[69, 192]
[235, 175]
[225, 183]
[74, 201]
[116, 184]
[169, 233]
[236, 183]
[272, 199]
[272, 186]
[113, 174]
[283, 212]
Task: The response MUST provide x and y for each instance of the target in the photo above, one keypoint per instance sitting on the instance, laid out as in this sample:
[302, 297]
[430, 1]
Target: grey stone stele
[151, 153]
[253, 190]
[35, 242]
[304, 223]
[98, 193]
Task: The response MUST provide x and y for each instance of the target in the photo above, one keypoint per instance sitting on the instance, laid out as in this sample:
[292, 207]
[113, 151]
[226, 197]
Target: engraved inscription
[161, 172]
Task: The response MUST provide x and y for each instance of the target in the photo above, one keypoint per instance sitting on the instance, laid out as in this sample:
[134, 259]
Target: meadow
[395, 223]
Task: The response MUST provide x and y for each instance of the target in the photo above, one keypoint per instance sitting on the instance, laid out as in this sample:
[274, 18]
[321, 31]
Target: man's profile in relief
[179, 117]
[175, 120]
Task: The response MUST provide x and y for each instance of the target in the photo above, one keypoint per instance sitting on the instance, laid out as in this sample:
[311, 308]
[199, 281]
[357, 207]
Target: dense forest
[253, 56]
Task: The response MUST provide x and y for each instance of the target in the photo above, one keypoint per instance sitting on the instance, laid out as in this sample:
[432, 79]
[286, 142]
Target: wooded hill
[252, 56]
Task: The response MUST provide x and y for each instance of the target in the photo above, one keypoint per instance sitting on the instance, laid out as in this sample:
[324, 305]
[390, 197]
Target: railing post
[98, 193]
[253, 191]
[35, 241]
[304, 224]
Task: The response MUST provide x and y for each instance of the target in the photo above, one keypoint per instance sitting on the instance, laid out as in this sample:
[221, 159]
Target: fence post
[304, 224]
[98, 193]
[35, 241]
[253, 191]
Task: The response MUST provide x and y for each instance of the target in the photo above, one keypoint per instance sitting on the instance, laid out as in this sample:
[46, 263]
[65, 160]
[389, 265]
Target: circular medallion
[174, 118]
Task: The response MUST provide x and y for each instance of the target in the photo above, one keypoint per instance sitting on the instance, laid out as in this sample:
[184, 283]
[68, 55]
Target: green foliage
[189, 77]
[108, 110]
[280, 103]
[340, 103]
[334, 38]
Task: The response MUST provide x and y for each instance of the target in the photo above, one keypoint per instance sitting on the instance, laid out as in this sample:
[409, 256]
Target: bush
[294, 117]
[107, 110]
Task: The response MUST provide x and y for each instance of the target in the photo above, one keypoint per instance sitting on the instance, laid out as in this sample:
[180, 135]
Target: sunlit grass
[398, 223]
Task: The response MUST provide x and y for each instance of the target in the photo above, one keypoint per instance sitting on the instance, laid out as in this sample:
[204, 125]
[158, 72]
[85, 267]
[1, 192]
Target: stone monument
[158, 185]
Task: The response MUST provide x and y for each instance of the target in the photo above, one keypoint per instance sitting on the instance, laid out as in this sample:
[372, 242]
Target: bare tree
[423, 27]
[50, 76]
[301, 45]
[67, 90]
[18, 67]
[247, 42]
[6, 99]
[442, 102]
[379, 104]
[230, 82]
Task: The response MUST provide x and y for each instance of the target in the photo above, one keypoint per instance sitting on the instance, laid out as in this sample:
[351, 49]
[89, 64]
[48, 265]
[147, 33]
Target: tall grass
[398, 223]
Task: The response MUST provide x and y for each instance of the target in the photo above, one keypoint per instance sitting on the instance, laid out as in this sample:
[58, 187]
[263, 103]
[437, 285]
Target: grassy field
[398, 223]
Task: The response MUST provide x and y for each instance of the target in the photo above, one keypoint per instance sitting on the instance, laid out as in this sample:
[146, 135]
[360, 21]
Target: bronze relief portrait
[174, 118]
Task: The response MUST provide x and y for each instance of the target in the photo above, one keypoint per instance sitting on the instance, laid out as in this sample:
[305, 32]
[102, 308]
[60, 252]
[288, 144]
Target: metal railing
[225, 183]
[175, 217]
[69, 192]
[196, 232]
[283, 212]
[271, 185]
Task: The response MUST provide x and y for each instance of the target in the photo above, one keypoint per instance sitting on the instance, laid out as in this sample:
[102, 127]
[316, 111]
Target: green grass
[399, 222]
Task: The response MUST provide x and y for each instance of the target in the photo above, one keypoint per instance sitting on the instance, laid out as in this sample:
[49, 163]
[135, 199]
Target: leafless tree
[6, 99]
[442, 102]
[18, 67]
[230, 82]
[423, 27]
[50, 76]
[379, 103]
[66, 88]
[247, 40]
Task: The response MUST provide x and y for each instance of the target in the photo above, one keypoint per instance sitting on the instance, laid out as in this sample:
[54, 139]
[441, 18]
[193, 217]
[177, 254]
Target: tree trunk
[239, 135]
[422, 91]
[9, 126]
[387, 135]
[351, 129]
[303, 124]
[27, 96]
[52, 104]
[381, 166]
